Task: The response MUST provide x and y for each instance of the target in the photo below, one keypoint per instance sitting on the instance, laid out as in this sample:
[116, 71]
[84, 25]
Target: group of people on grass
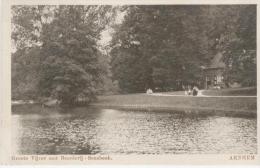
[191, 91]
[149, 91]
[188, 90]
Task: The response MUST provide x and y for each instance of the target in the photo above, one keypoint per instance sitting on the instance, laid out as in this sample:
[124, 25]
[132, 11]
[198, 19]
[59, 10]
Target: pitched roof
[217, 62]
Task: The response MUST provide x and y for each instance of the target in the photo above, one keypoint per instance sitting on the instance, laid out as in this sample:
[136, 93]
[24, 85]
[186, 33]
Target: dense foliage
[57, 48]
[238, 45]
[165, 47]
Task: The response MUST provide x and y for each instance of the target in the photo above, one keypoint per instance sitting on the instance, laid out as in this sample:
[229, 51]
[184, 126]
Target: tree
[26, 28]
[70, 59]
[165, 46]
[238, 45]
[159, 47]
[25, 63]
[70, 55]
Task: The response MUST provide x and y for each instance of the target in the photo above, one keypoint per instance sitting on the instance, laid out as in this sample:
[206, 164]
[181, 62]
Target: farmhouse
[213, 74]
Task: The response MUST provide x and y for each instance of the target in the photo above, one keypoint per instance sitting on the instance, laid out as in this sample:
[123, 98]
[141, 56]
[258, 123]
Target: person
[199, 93]
[149, 91]
[195, 91]
[186, 92]
[189, 90]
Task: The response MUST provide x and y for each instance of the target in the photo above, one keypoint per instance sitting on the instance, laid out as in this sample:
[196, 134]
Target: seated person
[195, 91]
[149, 91]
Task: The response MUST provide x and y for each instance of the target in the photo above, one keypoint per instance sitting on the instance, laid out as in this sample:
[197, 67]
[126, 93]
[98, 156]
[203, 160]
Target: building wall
[213, 77]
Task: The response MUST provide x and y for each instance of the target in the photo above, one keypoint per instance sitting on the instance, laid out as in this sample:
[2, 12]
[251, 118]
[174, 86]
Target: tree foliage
[166, 46]
[56, 51]
[69, 59]
[239, 48]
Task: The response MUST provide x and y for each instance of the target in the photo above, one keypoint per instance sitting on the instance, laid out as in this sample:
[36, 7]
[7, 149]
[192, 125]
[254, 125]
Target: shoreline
[181, 109]
[185, 111]
[227, 106]
[224, 106]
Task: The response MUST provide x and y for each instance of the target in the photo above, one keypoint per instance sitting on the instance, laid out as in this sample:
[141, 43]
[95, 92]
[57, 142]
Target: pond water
[83, 130]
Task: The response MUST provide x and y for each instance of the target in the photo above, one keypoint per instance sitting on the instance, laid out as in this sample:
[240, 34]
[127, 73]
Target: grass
[246, 106]
[249, 91]
[149, 102]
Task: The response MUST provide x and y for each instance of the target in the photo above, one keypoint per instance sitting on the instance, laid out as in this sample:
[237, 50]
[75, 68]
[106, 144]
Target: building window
[218, 79]
[215, 80]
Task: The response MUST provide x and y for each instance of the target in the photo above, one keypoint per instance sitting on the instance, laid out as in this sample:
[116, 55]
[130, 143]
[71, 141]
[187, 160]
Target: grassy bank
[248, 91]
[148, 102]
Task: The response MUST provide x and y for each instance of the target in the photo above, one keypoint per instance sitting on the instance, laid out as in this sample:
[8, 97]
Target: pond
[85, 130]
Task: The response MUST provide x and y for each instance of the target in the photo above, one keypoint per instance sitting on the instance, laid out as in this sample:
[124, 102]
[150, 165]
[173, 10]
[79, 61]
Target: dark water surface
[84, 130]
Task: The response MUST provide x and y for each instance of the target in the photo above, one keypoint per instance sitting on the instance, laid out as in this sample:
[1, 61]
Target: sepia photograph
[133, 79]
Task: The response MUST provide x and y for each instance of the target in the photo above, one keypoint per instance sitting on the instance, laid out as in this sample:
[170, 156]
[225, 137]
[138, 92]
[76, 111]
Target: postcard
[129, 82]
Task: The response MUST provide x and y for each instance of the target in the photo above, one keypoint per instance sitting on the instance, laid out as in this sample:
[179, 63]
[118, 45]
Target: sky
[106, 35]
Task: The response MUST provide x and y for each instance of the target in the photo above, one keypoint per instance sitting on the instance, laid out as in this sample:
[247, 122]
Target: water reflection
[108, 131]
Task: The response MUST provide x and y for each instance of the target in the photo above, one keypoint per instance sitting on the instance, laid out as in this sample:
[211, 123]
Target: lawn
[144, 101]
[248, 91]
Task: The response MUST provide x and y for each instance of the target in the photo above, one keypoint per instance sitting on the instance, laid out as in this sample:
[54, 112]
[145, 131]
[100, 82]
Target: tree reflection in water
[107, 131]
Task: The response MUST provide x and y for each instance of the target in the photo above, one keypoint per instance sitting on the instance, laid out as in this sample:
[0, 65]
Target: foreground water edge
[88, 130]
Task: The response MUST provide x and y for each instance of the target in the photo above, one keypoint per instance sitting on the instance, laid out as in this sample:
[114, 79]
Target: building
[213, 74]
